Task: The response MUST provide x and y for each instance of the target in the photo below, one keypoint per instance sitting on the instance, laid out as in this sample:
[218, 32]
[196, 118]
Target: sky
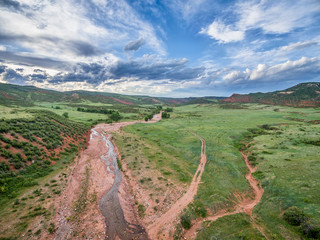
[173, 48]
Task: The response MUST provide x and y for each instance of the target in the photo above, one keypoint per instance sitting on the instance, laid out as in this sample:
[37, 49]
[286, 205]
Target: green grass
[74, 115]
[175, 159]
[91, 118]
[225, 171]
[290, 174]
[11, 113]
[234, 227]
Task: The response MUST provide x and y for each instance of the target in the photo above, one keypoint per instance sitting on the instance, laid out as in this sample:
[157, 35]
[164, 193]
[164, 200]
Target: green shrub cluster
[295, 216]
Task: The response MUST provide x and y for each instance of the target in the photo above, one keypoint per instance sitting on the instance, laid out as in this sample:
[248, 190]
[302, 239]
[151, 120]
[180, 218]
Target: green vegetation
[232, 227]
[30, 209]
[301, 95]
[29, 146]
[42, 130]
[286, 157]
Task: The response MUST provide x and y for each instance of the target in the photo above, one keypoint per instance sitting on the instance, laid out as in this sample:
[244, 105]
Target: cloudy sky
[171, 48]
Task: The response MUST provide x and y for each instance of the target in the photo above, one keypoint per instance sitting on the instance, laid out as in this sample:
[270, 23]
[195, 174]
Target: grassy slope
[225, 170]
[290, 175]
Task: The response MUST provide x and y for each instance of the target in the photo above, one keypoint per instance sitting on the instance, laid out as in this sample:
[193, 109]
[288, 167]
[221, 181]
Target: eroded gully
[117, 225]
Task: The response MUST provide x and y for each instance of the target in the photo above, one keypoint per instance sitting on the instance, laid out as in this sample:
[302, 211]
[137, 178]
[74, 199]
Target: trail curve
[244, 205]
[168, 218]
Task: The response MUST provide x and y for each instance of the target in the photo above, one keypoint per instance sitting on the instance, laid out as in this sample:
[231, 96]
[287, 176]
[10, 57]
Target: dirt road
[243, 204]
[165, 223]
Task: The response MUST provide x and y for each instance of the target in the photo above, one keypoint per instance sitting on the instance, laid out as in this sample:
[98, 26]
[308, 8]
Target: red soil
[121, 101]
[238, 98]
[6, 95]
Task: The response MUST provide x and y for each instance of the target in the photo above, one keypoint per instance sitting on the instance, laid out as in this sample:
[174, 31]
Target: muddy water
[110, 205]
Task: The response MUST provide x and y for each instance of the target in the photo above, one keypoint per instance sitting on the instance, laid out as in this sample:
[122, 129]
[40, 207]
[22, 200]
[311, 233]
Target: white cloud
[57, 29]
[273, 17]
[249, 56]
[224, 34]
[276, 16]
[188, 9]
[298, 46]
[301, 69]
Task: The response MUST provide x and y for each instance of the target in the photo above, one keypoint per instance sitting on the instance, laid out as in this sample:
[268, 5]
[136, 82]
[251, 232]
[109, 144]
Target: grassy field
[289, 182]
[10, 113]
[164, 155]
[289, 166]
[233, 227]
[128, 113]
[84, 117]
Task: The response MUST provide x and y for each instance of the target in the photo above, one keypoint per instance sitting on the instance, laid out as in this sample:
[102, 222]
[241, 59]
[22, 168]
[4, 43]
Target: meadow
[287, 183]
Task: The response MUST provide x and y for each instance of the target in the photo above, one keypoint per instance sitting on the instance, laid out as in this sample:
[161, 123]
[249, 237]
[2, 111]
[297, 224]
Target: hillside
[27, 95]
[301, 95]
[30, 145]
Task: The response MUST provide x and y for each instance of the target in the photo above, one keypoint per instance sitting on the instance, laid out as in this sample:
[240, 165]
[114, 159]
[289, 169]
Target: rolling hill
[301, 95]
[27, 95]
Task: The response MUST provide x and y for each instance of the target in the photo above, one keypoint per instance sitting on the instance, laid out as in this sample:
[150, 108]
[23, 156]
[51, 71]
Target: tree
[165, 115]
[115, 116]
[65, 114]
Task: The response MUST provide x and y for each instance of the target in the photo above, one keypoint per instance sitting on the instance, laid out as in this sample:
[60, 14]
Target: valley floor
[209, 172]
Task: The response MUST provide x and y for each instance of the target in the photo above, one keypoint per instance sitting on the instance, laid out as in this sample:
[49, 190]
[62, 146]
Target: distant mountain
[27, 95]
[301, 95]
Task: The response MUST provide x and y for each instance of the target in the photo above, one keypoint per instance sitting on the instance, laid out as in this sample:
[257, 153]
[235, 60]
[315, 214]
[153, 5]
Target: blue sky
[175, 48]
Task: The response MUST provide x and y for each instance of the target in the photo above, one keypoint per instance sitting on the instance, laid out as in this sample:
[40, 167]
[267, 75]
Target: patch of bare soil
[77, 206]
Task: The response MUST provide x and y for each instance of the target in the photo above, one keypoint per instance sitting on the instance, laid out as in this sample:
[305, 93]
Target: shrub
[51, 229]
[185, 221]
[294, 216]
[165, 115]
[199, 209]
[310, 230]
[115, 116]
[65, 114]
[141, 210]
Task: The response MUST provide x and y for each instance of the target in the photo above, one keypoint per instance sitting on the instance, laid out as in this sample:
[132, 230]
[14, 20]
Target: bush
[165, 115]
[310, 230]
[199, 209]
[185, 221]
[294, 216]
[141, 210]
[51, 229]
[115, 116]
[65, 114]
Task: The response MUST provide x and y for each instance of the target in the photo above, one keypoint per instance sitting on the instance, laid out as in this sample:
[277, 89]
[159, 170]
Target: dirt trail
[244, 205]
[164, 223]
